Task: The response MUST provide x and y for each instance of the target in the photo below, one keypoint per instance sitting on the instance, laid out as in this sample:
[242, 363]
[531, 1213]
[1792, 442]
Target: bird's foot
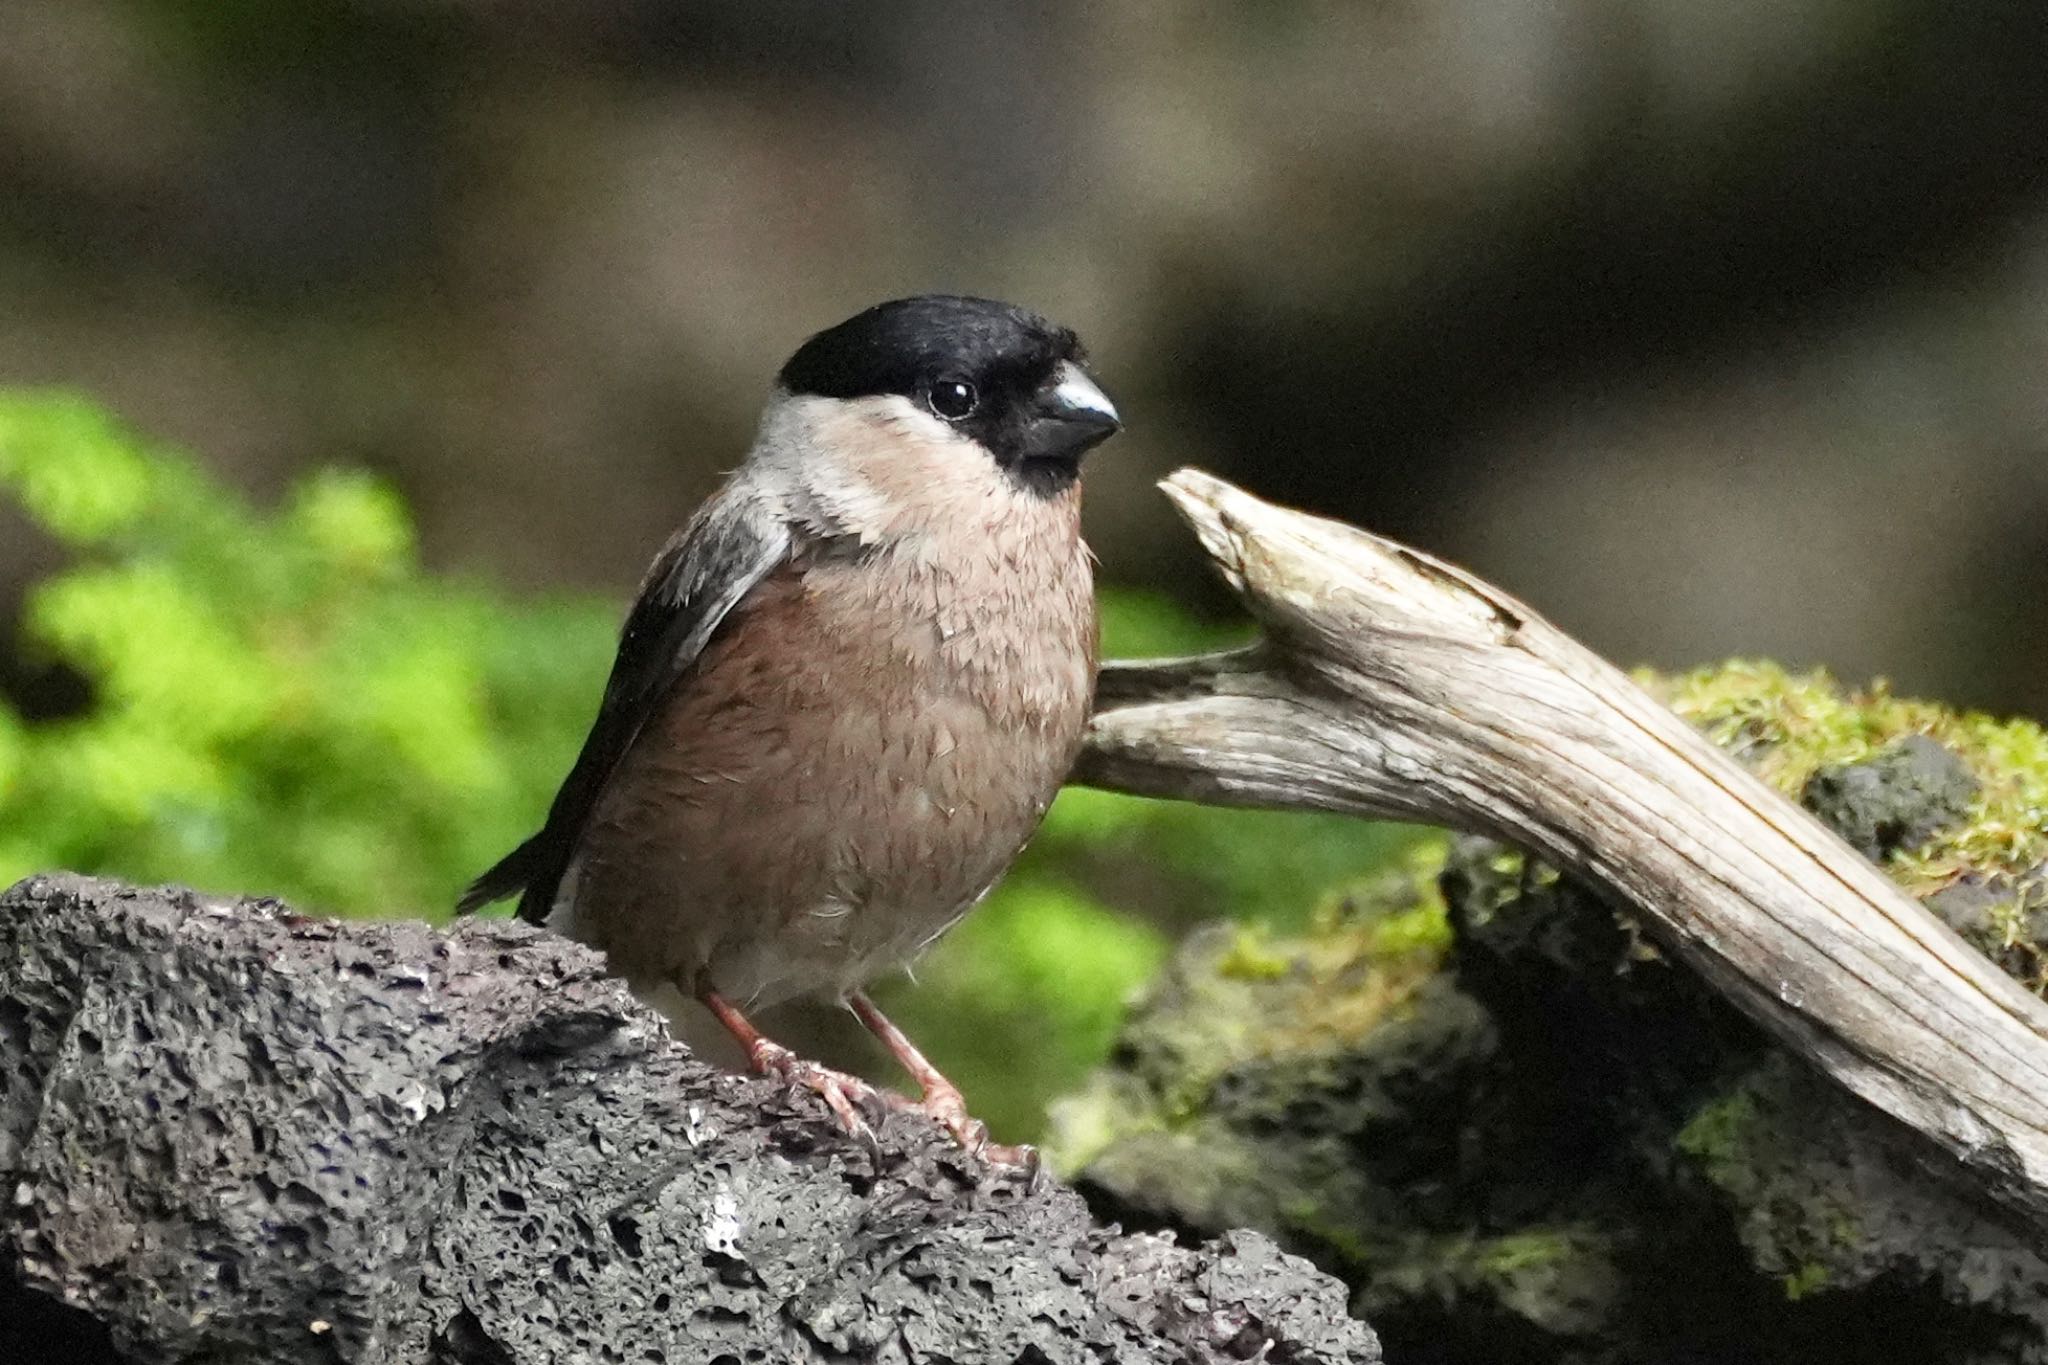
[850, 1098]
[941, 1101]
[944, 1105]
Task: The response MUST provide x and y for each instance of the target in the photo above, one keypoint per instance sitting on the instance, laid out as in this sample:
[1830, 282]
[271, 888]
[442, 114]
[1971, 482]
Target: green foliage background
[283, 702]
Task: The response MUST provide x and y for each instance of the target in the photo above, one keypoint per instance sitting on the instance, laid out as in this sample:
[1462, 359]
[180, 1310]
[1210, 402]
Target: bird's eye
[953, 399]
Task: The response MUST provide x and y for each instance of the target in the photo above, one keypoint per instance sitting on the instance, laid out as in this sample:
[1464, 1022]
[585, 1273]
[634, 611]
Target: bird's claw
[1021, 1156]
[861, 1108]
[945, 1106]
[856, 1105]
[874, 1106]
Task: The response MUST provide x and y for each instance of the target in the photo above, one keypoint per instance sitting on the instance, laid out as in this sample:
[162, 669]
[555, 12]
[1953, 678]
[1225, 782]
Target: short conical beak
[1073, 417]
[1078, 398]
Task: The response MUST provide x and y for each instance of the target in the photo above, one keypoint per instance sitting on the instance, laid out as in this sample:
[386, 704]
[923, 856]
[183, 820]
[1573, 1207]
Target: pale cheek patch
[888, 473]
[902, 472]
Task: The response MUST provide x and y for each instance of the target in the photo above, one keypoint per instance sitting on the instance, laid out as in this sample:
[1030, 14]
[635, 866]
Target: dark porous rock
[1898, 798]
[231, 1132]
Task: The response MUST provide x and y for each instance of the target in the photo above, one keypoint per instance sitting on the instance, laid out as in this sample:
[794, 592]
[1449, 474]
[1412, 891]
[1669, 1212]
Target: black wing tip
[508, 877]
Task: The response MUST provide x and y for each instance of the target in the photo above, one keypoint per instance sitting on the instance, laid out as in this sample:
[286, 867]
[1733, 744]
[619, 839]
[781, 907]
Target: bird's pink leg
[942, 1101]
[843, 1094]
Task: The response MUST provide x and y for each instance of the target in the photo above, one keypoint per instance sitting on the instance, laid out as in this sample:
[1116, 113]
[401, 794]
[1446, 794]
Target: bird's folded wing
[733, 542]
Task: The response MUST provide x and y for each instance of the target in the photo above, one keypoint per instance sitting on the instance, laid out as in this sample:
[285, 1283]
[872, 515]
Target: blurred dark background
[1706, 328]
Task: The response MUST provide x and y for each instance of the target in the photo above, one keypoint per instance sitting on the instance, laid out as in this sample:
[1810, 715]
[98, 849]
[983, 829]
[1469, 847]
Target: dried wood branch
[1390, 684]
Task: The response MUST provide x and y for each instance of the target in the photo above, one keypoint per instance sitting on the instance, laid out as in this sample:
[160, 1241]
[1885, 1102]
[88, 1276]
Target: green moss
[1339, 1087]
[1110, 1109]
[1425, 929]
[1340, 1239]
[1764, 1145]
[1788, 726]
[1251, 956]
[1363, 956]
[1207, 1176]
[1248, 997]
[1560, 1278]
[72, 467]
[1718, 1132]
[279, 702]
[1530, 1249]
[1503, 880]
[1810, 1278]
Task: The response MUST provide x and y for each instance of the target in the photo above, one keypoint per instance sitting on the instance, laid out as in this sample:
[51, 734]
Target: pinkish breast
[851, 765]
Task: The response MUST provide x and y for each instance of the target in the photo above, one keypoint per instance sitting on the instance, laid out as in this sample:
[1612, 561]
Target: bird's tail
[509, 876]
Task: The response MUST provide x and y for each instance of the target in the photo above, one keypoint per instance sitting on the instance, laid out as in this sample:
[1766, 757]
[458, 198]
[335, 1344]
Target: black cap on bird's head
[1005, 377]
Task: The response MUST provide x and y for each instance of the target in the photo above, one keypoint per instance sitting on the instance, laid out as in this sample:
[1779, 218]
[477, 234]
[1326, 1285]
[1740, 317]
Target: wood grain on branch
[1390, 684]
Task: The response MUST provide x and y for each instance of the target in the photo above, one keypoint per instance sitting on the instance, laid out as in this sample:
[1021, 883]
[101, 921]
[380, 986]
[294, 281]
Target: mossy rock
[1521, 1132]
[1954, 805]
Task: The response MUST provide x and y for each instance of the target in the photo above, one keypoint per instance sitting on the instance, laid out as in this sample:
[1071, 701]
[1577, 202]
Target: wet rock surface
[229, 1131]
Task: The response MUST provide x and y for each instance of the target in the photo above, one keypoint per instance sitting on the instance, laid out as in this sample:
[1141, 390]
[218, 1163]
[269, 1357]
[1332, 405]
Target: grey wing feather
[701, 575]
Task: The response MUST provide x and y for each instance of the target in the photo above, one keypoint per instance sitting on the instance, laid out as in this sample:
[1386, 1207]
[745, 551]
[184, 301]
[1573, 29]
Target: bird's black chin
[1046, 477]
[1046, 455]
[1040, 438]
